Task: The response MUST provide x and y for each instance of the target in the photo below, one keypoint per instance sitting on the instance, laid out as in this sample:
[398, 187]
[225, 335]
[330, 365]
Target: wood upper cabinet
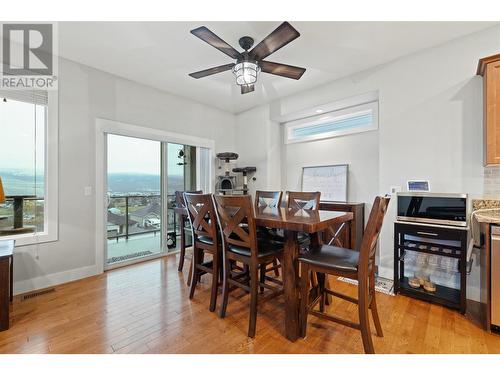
[489, 68]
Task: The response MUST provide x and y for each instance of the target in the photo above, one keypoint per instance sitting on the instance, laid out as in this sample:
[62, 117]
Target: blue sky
[22, 136]
[135, 155]
[22, 139]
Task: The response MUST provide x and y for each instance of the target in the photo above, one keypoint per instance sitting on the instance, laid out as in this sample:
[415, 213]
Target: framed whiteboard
[330, 180]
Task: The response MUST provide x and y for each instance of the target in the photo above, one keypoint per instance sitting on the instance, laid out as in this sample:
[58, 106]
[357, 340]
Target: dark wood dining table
[293, 221]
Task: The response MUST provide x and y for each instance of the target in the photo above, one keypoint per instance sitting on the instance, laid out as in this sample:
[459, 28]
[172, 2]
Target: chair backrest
[236, 221]
[371, 234]
[271, 199]
[303, 200]
[202, 216]
[179, 197]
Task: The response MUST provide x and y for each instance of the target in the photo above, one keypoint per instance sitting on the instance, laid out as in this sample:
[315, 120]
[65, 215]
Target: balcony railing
[130, 215]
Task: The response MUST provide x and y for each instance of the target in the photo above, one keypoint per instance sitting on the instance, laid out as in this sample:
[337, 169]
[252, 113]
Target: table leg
[4, 294]
[183, 243]
[290, 285]
[11, 273]
[316, 241]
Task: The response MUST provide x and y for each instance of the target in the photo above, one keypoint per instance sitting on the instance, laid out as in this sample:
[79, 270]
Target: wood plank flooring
[145, 308]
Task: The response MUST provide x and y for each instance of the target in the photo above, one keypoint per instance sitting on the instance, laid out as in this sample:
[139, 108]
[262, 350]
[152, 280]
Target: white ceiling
[161, 54]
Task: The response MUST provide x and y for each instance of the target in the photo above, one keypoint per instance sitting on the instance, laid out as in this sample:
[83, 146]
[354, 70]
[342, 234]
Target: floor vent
[121, 258]
[38, 293]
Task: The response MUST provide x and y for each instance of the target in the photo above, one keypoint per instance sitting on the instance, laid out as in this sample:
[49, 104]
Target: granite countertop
[492, 217]
[485, 203]
[486, 210]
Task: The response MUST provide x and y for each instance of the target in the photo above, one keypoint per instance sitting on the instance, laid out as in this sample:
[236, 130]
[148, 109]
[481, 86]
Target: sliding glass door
[181, 176]
[134, 212]
[142, 178]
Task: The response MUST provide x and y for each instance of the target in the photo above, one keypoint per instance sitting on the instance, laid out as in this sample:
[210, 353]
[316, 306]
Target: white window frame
[328, 117]
[51, 187]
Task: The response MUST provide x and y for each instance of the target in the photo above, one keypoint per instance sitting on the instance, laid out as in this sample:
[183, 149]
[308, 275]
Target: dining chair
[360, 266]
[179, 202]
[303, 200]
[272, 200]
[241, 244]
[203, 220]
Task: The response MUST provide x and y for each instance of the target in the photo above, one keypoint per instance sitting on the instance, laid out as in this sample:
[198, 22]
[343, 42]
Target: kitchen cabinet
[489, 69]
[489, 311]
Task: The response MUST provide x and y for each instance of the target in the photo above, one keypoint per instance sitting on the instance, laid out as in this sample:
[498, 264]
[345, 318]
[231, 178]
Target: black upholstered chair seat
[206, 240]
[265, 248]
[262, 239]
[278, 237]
[332, 257]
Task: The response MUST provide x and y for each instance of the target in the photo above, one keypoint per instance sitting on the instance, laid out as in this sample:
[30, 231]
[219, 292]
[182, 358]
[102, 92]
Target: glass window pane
[134, 204]
[345, 123]
[22, 163]
[340, 122]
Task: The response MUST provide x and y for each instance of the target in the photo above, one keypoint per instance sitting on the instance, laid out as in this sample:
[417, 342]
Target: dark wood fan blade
[207, 36]
[280, 37]
[208, 72]
[245, 89]
[283, 70]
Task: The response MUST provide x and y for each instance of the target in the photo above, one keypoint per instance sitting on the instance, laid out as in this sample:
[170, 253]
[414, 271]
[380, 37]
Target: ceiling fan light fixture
[246, 72]
[250, 63]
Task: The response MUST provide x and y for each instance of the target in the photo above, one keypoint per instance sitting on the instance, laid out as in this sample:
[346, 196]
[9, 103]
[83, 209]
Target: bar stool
[240, 244]
[271, 200]
[360, 266]
[202, 217]
[179, 202]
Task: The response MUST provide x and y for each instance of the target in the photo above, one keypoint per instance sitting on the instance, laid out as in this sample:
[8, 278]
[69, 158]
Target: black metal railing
[131, 219]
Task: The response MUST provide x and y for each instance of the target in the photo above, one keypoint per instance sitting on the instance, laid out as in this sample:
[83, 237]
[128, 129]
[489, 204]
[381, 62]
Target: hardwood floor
[145, 308]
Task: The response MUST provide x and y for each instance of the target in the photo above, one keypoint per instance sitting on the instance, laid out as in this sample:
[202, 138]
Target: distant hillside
[120, 183]
[19, 182]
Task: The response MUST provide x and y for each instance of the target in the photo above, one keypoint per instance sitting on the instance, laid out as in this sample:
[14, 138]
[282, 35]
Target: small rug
[382, 285]
[129, 256]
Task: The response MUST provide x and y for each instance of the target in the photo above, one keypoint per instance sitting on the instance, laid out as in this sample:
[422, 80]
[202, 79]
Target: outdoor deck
[139, 245]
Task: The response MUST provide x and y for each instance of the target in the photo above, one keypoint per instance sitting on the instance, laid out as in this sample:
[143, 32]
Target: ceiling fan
[251, 62]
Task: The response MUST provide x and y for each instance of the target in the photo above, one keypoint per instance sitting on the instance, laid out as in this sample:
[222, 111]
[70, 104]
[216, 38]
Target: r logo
[27, 49]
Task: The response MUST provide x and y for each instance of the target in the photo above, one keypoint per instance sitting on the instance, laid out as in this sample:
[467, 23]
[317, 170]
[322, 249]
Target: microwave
[433, 208]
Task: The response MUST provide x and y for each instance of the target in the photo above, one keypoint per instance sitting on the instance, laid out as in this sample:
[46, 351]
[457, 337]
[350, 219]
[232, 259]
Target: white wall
[430, 126]
[360, 151]
[84, 95]
[258, 144]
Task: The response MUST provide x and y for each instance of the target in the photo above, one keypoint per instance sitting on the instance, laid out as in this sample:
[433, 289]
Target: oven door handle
[428, 234]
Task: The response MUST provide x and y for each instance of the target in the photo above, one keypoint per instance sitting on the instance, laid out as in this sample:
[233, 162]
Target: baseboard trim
[386, 272]
[47, 281]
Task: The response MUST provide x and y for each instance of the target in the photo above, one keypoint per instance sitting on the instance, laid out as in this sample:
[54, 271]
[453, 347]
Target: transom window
[351, 120]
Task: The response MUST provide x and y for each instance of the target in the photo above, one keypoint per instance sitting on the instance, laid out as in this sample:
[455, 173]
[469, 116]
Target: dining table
[293, 221]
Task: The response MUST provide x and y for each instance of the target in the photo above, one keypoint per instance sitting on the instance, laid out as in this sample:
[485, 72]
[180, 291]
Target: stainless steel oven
[433, 208]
